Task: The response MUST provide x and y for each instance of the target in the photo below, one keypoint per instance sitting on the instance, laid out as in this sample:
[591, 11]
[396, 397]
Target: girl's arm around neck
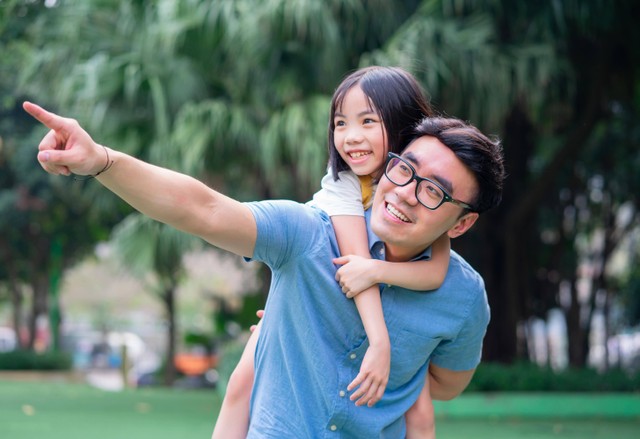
[418, 275]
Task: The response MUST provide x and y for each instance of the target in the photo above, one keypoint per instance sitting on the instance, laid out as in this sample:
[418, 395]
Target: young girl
[373, 112]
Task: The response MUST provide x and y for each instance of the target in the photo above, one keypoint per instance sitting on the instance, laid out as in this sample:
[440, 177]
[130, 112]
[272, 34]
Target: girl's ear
[464, 223]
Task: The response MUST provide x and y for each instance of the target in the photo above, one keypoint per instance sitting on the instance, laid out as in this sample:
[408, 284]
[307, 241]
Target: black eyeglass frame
[446, 199]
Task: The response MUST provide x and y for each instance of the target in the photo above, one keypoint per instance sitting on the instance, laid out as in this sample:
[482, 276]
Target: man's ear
[464, 223]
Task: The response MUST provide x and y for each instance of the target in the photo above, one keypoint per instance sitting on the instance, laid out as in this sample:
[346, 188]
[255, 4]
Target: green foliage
[199, 339]
[29, 360]
[528, 377]
[247, 315]
[236, 93]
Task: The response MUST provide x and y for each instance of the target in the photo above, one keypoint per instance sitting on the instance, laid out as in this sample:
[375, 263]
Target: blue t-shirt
[312, 340]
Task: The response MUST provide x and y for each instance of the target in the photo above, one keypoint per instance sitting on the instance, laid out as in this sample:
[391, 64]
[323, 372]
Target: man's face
[405, 225]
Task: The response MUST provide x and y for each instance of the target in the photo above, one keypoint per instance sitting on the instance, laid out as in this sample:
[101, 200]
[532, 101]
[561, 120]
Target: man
[312, 341]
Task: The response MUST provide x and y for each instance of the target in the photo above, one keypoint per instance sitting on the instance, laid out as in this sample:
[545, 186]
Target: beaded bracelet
[106, 168]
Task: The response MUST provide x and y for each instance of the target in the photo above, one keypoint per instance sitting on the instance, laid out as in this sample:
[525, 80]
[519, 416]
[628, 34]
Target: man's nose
[407, 193]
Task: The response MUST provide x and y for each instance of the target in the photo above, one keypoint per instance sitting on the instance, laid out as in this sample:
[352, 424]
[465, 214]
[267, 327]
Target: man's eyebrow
[443, 181]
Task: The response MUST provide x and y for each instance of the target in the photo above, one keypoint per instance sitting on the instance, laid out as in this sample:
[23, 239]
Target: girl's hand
[373, 377]
[356, 274]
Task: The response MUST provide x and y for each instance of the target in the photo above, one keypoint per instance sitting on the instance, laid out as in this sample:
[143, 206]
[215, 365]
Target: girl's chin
[362, 170]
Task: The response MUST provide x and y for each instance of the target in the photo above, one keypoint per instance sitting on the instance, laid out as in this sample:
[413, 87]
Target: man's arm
[446, 384]
[166, 196]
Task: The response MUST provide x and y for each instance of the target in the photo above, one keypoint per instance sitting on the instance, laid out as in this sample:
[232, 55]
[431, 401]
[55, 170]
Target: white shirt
[339, 197]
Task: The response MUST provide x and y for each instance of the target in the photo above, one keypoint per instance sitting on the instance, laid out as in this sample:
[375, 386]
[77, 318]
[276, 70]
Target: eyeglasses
[429, 193]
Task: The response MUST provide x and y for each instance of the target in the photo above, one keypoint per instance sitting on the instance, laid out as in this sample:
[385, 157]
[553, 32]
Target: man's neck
[394, 253]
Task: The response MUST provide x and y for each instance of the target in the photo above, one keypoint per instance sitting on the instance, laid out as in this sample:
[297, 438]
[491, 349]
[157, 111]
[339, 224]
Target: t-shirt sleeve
[285, 230]
[464, 352]
[340, 197]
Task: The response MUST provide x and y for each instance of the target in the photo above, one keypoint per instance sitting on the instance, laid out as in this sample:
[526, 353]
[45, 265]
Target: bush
[528, 377]
[29, 360]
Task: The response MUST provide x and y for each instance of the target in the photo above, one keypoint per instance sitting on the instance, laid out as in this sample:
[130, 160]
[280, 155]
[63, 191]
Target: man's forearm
[182, 202]
[162, 194]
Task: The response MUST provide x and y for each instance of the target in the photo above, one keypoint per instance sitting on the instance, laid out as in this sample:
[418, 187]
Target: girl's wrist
[379, 338]
[380, 342]
[377, 271]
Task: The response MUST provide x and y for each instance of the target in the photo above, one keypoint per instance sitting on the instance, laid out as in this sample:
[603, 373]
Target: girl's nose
[354, 136]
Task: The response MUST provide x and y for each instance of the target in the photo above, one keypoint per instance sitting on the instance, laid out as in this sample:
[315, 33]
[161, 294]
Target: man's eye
[431, 190]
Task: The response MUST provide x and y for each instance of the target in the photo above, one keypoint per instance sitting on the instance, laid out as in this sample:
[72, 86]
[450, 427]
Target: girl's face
[359, 134]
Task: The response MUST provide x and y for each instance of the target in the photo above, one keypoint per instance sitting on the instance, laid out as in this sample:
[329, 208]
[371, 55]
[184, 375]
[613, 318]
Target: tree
[545, 76]
[150, 248]
[42, 229]
[163, 82]
[240, 90]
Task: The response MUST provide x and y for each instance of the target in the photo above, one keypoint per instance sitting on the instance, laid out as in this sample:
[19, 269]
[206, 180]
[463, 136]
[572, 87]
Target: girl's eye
[339, 123]
[369, 120]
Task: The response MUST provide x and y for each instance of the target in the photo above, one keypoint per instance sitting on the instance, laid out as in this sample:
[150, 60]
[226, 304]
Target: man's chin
[387, 228]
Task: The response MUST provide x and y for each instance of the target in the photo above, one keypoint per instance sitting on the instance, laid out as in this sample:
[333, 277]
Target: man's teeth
[393, 211]
[357, 155]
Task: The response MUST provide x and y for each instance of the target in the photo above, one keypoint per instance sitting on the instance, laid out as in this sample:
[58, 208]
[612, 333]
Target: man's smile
[396, 213]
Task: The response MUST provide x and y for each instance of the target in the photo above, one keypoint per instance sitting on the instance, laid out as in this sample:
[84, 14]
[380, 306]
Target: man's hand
[67, 148]
[356, 274]
[373, 377]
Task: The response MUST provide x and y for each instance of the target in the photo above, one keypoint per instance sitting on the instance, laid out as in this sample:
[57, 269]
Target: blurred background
[237, 94]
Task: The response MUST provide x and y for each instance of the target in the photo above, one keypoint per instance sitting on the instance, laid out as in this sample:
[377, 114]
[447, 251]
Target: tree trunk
[39, 307]
[501, 263]
[169, 302]
[17, 300]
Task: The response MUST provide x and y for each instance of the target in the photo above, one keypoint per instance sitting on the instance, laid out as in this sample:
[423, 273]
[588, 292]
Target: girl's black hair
[395, 95]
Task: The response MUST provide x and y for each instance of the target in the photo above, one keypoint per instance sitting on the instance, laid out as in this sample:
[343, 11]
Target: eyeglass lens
[400, 173]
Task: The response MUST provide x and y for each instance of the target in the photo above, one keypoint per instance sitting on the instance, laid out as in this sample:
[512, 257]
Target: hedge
[527, 377]
[29, 360]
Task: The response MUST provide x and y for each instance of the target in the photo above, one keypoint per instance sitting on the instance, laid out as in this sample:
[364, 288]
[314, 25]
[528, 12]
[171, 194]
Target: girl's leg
[421, 423]
[233, 419]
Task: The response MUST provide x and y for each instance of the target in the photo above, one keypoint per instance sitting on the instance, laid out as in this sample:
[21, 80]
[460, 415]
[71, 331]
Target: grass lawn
[539, 416]
[58, 410]
[30, 410]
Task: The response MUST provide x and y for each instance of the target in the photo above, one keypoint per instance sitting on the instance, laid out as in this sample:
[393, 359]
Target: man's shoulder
[283, 207]
[287, 230]
[287, 216]
[461, 271]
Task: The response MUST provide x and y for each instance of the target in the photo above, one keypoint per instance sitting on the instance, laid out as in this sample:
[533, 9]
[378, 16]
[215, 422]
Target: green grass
[61, 410]
[58, 410]
[540, 416]
[518, 428]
